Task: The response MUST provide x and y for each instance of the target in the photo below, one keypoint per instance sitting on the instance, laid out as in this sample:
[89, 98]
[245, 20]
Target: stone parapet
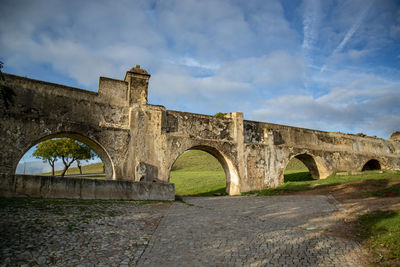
[78, 188]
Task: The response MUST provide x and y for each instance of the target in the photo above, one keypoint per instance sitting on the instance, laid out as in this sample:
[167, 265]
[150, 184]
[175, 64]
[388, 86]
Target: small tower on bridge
[138, 83]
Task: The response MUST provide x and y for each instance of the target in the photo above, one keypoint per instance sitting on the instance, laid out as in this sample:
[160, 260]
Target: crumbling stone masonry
[140, 142]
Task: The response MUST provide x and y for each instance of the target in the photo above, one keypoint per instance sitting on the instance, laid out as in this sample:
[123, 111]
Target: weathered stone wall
[269, 147]
[113, 91]
[217, 136]
[195, 131]
[395, 136]
[76, 188]
[44, 110]
[160, 137]
[140, 142]
[198, 126]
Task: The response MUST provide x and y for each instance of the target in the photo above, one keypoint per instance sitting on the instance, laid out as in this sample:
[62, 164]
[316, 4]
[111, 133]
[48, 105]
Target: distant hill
[196, 160]
[90, 168]
[296, 164]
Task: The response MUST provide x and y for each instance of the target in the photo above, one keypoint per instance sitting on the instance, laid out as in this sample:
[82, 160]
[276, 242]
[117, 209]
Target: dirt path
[354, 199]
[356, 196]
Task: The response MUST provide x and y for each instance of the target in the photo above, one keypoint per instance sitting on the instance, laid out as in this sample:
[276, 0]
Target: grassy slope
[295, 165]
[90, 168]
[380, 231]
[197, 173]
[296, 171]
[197, 161]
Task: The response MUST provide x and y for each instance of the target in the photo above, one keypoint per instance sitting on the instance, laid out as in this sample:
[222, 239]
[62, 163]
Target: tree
[83, 153]
[71, 150]
[67, 149]
[47, 151]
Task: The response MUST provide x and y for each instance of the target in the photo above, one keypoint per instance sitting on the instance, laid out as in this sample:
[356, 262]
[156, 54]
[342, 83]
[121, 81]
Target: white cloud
[357, 54]
[310, 21]
[37, 167]
[367, 104]
[176, 82]
[194, 63]
[354, 27]
[278, 68]
[349, 34]
[232, 79]
[85, 40]
[33, 167]
[218, 54]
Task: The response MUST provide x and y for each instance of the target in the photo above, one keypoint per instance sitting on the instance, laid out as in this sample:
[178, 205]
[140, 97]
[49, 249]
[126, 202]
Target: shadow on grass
[290, 186]
[379, 231]
[297, 177]
[375, 182]
[392, 191]
[369, 223]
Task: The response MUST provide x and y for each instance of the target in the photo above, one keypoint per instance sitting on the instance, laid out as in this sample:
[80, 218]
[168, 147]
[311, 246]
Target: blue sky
[331, 65]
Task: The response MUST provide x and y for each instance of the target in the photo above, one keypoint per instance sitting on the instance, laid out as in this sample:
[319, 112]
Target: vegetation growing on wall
[220, 115]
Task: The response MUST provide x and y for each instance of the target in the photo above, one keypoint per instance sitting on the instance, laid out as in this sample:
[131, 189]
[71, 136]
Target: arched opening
[372, 164]
[99, 165]
[296, 171]
[303, 167]
[203, 170]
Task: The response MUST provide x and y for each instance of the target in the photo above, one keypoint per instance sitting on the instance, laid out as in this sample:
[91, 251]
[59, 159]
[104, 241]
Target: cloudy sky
[330, 64]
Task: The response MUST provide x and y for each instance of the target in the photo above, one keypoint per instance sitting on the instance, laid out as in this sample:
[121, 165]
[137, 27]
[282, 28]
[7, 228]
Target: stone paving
[250, 231]
[99, 234]
[213, 231]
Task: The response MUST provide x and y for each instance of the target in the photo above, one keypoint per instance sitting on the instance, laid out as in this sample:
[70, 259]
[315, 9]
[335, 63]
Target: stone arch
[231, 173]
[372, 164]
[314, 165]
[97, 147]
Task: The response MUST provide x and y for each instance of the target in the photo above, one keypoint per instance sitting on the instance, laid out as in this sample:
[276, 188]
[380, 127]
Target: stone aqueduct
[140, 142]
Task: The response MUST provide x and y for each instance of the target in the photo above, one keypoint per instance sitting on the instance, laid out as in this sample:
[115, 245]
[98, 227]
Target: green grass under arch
[197, 172]
[296, 171]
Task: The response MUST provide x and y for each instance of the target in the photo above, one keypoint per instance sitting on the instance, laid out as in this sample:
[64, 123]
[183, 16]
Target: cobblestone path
[214, 231]
[77, 233]
[250, 231]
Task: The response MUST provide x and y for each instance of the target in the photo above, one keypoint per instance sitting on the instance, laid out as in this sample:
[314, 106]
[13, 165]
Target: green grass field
[380, 231]
[197, 173]
[296, 171]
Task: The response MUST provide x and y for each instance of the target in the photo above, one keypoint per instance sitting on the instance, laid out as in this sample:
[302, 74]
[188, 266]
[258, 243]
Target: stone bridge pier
[140, 142]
